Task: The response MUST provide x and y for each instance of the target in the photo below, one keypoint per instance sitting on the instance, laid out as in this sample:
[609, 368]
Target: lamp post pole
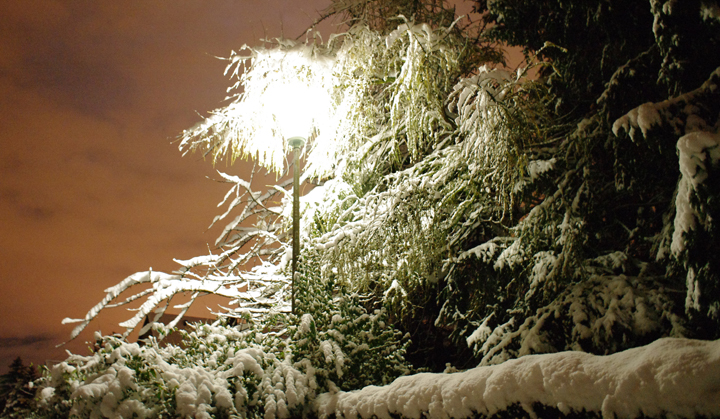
[296, 143]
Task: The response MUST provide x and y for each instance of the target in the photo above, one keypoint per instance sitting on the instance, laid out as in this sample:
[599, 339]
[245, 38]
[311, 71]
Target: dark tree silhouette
[16, 392]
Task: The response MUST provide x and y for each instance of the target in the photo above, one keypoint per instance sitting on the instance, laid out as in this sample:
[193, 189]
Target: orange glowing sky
[92, 189]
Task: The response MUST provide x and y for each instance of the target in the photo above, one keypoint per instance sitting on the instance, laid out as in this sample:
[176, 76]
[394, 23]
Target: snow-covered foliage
[284, 88]
[617, 211]
[348, 345]
[435, 177]
[267, 371]
[386, 95]
[486, 214]
[221, 372]
[257, 292]
[218, 369]
[17, 390]
[692, 118]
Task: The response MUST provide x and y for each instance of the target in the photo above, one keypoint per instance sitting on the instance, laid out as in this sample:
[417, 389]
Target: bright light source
[286, 94]
[286, 91]
[291, 108]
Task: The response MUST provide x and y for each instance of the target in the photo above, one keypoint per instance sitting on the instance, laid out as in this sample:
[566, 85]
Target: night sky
[92, 187]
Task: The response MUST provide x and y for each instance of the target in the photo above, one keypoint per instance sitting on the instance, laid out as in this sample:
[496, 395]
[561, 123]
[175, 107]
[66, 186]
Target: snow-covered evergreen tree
[635, 86]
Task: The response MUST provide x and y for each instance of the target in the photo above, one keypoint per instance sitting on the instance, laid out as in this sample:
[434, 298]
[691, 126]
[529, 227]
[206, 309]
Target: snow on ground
[678, 377]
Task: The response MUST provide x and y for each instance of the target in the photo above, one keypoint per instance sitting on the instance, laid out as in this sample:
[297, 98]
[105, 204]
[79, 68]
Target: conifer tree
[635, 82]
[16, 390]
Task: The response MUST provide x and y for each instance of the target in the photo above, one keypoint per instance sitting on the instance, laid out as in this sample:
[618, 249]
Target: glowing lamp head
[293, 109]
[286, 93]
[296, 142]
[290, 95]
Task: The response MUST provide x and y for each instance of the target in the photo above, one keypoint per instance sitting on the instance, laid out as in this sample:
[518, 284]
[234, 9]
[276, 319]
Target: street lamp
[286, 101]
[294, 115]
[296, 143]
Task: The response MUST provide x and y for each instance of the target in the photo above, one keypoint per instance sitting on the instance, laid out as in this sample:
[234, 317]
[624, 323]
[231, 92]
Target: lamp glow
[286, 99]
[293, 110]
[288, 94]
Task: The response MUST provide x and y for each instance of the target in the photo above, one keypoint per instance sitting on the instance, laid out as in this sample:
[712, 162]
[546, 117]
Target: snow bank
[678, 377]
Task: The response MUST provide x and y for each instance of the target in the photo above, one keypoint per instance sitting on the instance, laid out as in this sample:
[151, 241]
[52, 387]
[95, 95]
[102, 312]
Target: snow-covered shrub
[216, 372]
[604, 206]
[602, 315]
[274, 369]
[258, 293]
[347, 345]
[17, 390]
[691, 237]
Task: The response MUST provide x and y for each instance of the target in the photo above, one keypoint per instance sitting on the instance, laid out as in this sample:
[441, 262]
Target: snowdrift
[669, 377]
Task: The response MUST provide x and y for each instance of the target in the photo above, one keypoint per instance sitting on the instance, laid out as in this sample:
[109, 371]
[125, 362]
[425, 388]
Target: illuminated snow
[695, 150]
[286, 93]
[676, 377]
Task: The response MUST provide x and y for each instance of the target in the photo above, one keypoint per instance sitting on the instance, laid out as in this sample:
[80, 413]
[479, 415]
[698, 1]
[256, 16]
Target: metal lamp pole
[296, 143]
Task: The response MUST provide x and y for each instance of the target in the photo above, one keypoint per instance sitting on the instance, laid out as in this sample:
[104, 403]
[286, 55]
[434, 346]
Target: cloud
[24, 206]
[36, 212]
[68, 58]
[24, 341]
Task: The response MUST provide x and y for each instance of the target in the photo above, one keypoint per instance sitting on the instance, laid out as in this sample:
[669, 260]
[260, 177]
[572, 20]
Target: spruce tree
[16, 390]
